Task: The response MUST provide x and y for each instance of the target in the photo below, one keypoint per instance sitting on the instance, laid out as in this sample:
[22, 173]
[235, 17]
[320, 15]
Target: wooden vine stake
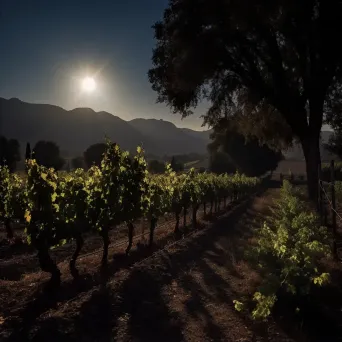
[333, 204]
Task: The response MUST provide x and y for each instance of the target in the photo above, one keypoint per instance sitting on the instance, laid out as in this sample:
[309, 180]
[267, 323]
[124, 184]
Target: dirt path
[184, 292]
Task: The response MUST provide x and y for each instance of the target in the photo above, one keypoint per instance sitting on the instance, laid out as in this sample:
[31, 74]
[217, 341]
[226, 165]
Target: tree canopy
[94, 153]
[220, 162]
[28, 153]
[176, 165]
[278, 59]
[232, 152]
[77, 162]
[47, 153]
[9, 152]
[156, 166]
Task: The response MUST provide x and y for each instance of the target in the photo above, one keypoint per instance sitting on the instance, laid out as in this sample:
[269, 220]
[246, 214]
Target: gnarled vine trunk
[47, 264]
[176, 231]
[194, 216]
[153, 225]
[8, 228]
[72, 265]
[130, 227]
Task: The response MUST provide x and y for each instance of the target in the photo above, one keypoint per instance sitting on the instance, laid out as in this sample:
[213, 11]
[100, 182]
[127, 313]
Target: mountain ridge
[76, 129]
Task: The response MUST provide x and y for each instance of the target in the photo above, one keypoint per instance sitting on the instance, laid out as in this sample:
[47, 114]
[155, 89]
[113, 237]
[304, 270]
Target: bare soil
[183, 291]
[18, 259]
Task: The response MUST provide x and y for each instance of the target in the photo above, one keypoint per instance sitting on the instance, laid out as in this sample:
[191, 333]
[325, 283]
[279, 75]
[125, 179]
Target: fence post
[333, 203]
[320, 197]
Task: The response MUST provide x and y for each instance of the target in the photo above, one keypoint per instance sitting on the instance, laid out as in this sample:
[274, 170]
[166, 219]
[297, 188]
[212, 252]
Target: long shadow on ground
[136, 310]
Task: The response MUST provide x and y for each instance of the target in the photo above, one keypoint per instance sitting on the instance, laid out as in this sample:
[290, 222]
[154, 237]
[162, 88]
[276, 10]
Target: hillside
[77, 129]
[296, 153]
[170, 138]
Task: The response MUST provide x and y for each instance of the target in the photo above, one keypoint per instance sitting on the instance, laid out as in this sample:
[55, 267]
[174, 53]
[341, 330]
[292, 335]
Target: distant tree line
[45, 152]
[157, 166]
[9, 152]
[229, 152]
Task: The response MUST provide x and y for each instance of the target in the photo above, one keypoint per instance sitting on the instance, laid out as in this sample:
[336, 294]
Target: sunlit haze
[49, 48]
[88, 84]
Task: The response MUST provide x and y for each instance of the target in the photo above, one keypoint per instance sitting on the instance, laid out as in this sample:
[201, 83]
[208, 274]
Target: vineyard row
[59, 207]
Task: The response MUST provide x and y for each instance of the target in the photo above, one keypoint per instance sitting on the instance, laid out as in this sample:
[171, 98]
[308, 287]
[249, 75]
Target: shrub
[288, 252]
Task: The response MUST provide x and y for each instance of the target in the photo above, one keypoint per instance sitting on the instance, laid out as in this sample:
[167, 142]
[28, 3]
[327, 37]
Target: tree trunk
[205, 208]
[130, 227]
[211, 207]
[313, 162]
[72, 264]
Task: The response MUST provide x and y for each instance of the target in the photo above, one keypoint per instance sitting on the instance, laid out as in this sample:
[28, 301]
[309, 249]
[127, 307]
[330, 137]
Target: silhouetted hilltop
[296, 153]
[171, 137]
[77, 129]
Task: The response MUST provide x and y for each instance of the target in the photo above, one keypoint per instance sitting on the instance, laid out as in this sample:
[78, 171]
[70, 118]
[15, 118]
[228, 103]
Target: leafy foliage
[135, 193]
[231, 151]
[276, 64]
[93, 154]
[72, 201]
[220, 162]
[289, 252]
[156, 166]
[47, 153]
[58, 207]
[43, 212]
[176, 165]
[9, 152]
[77, 162]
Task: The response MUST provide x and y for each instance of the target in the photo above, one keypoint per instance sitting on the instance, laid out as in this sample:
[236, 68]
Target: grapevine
[61, 207]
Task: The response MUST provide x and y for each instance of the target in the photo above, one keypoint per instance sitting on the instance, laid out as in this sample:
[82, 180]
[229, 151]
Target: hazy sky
[49, 46]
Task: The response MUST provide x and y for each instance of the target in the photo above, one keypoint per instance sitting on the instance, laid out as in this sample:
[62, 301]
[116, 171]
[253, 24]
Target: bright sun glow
[88, 84]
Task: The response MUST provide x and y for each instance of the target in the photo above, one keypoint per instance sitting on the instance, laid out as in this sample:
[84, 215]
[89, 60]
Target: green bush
[288, 252]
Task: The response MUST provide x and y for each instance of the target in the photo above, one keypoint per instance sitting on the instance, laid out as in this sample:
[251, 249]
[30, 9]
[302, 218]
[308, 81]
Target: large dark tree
[28, 153]
[94, 154]
[47, 153]
[77, 162]
[220, 162]
[276, 57]
[156, 166]
[232, 151]
[9, 152]
[176, 165]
